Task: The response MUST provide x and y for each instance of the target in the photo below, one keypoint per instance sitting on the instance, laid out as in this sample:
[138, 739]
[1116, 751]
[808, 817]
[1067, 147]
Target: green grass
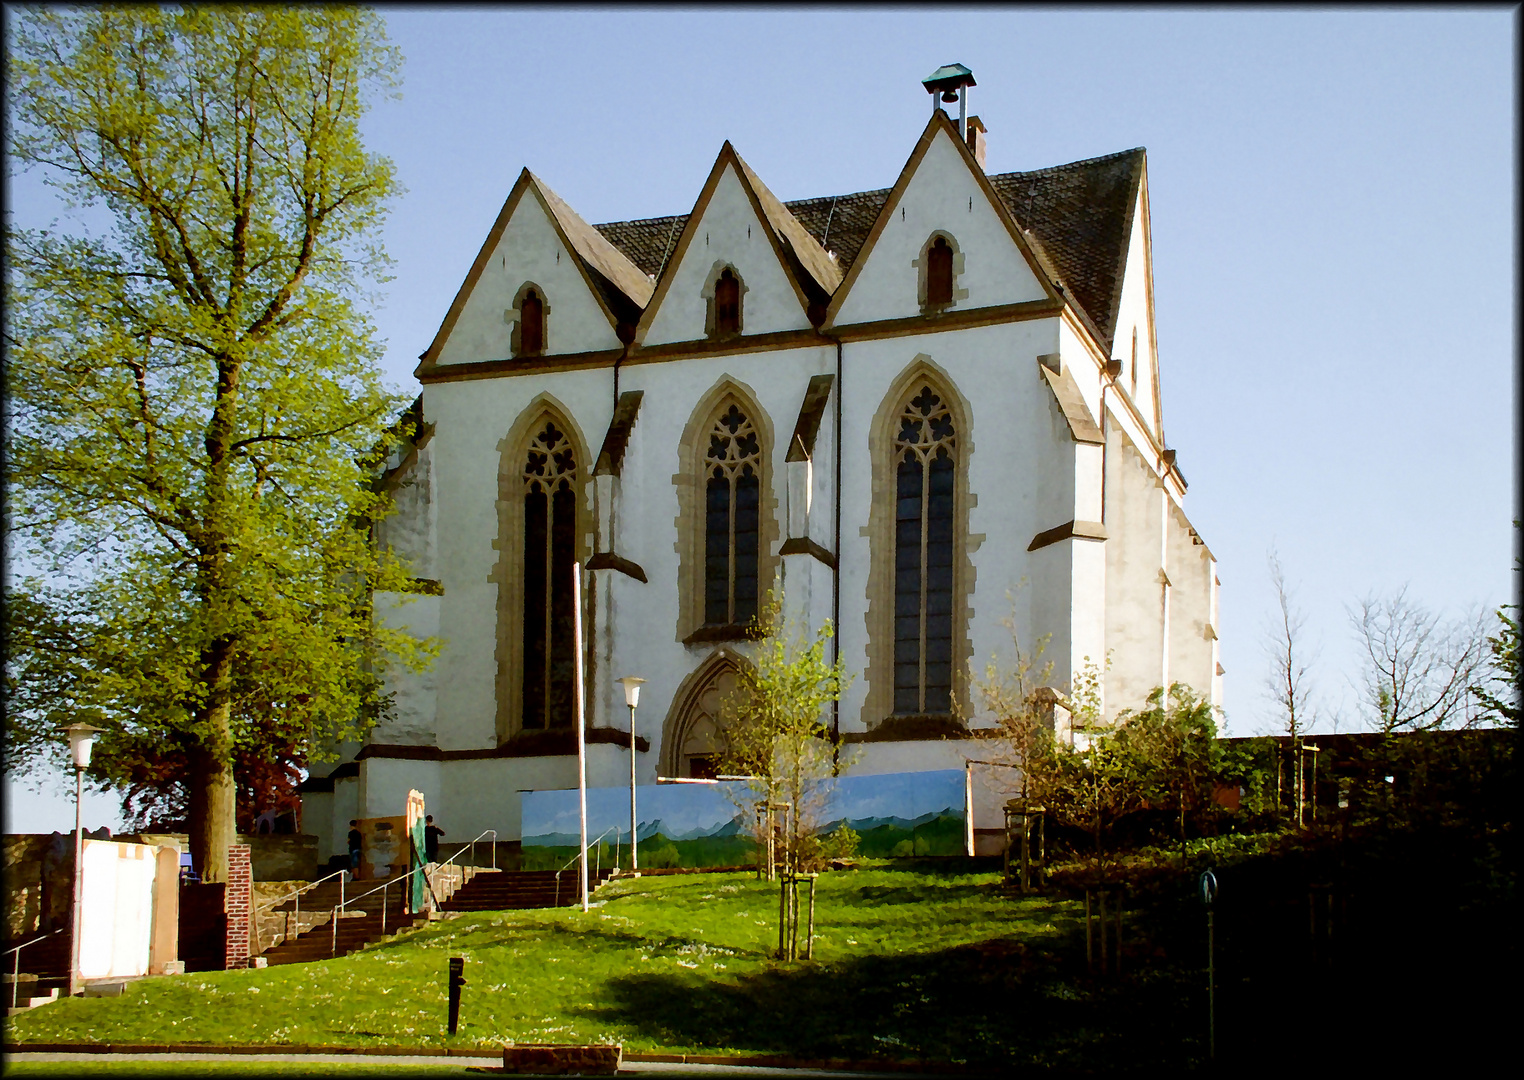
[909, 963]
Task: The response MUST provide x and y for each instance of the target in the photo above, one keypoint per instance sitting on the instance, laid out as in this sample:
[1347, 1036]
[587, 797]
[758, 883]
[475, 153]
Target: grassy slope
[908, 964]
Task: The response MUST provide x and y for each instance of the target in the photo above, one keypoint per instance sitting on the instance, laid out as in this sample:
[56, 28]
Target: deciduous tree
[1417, 667]
[774, 724]
[195, 404]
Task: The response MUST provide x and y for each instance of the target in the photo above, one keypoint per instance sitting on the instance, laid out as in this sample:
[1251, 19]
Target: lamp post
[81, 738]
[632, 686]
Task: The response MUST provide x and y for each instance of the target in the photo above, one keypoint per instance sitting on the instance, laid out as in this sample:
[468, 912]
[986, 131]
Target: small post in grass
[1089, 945]
[1102, 892]
[809, 941]
[782, 916]
[457, 980]
[1208, 895]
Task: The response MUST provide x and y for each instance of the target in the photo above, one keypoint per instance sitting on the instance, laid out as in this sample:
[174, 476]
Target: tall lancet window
[732, 499]
[926, 461]
[550, 532]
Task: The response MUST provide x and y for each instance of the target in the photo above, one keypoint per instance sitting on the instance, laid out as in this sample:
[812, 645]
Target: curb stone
[770, 1061]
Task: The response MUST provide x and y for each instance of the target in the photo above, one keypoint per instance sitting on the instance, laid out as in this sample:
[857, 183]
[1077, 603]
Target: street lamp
[81, 738]
[632, 686]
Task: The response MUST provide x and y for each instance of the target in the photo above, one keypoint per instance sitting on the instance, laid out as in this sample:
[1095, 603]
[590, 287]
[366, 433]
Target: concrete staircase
[507, 889]
[313, 935]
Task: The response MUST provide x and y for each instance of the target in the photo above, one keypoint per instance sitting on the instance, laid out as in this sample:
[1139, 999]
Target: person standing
[354, 850]
[431, 835]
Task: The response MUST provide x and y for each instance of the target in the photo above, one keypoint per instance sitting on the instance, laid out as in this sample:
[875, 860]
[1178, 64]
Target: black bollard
[457, 980]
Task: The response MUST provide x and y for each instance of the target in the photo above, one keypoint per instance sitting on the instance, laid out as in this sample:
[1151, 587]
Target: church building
[928, 413]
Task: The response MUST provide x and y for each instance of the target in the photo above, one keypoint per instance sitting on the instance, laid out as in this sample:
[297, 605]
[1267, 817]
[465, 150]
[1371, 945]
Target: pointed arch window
[550, 527]
[531, 324]
[939, 273]
[732, 506]
[925, 470]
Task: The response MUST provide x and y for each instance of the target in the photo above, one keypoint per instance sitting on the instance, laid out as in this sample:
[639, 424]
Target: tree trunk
[213, 810]
[213, 790]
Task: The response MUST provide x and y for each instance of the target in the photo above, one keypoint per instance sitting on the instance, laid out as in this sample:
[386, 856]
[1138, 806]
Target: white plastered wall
[1192, 656]
[1135, 313]
[414, 708]
[942, 195]
[530, 249]
[409, 531]
[1133, 585]
[471, 421]
[1014, 490]
[728, 234]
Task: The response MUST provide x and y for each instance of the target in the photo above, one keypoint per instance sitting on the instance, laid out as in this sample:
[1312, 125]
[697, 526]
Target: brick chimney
[976, 139]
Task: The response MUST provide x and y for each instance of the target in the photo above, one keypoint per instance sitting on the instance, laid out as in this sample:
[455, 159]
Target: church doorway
[693, 740]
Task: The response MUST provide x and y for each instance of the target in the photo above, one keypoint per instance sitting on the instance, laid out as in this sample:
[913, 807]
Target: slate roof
[1080, 213]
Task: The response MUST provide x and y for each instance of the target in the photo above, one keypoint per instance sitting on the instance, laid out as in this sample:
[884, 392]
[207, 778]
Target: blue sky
[1333, 208]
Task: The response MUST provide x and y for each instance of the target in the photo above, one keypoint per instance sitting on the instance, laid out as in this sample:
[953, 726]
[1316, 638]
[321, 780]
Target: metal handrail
[590, 843]
[472, 846]
[611, 829]
[296, 896]
[298, 892]
[16, 975]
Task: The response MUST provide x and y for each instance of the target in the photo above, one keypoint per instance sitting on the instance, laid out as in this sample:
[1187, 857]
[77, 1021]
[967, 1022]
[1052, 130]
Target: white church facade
[928, 413]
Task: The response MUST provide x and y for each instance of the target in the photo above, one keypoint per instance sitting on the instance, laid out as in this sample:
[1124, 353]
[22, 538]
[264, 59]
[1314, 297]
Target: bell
[950, 96]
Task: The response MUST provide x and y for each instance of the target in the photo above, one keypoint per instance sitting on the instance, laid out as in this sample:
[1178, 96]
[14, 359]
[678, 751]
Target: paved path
[338, 1061]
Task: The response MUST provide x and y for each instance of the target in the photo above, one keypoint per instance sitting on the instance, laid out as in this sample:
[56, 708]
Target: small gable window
[727, 304]
[531, 324]
[939, 273]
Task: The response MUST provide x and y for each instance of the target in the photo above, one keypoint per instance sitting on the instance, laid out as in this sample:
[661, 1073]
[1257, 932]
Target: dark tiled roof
[1081, 214]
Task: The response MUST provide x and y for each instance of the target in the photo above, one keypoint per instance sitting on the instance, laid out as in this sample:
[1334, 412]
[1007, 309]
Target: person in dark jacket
[431, 835]
[354, 849]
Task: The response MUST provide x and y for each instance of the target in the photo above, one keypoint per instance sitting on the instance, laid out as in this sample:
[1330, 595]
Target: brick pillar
[237, 903]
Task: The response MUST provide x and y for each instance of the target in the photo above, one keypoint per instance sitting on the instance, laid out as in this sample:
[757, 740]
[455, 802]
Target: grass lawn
[910, 963]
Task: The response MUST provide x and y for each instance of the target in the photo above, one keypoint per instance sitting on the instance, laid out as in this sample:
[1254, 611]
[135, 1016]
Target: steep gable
[736, 223]
[940, 192]
[589, 288]
[1077, 218]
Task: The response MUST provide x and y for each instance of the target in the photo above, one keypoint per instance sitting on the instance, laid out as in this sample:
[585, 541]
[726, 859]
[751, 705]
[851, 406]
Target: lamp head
[81, 738]
[632, 686]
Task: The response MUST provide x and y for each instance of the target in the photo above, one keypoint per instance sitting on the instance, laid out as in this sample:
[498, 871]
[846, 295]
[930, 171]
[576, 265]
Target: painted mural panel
[896, 815]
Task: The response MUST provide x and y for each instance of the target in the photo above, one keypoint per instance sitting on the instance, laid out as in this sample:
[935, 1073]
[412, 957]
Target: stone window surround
[922, 263]
[707, 292]
[691, 502]
[507, 572]
[878, 676]
[687, 703]
[513, 316]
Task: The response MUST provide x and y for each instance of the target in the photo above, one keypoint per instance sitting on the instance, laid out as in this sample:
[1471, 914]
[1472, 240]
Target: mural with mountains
[896, 815]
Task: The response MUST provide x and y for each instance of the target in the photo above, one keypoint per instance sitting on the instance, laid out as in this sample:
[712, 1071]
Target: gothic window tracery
[550, 525]
[732, 504]
[925, 468]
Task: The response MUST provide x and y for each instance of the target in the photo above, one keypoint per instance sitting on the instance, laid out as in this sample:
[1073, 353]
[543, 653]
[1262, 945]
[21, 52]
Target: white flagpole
[577, 720]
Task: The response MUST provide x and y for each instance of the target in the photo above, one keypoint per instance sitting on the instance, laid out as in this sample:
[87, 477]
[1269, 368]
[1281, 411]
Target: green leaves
[196, 414]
